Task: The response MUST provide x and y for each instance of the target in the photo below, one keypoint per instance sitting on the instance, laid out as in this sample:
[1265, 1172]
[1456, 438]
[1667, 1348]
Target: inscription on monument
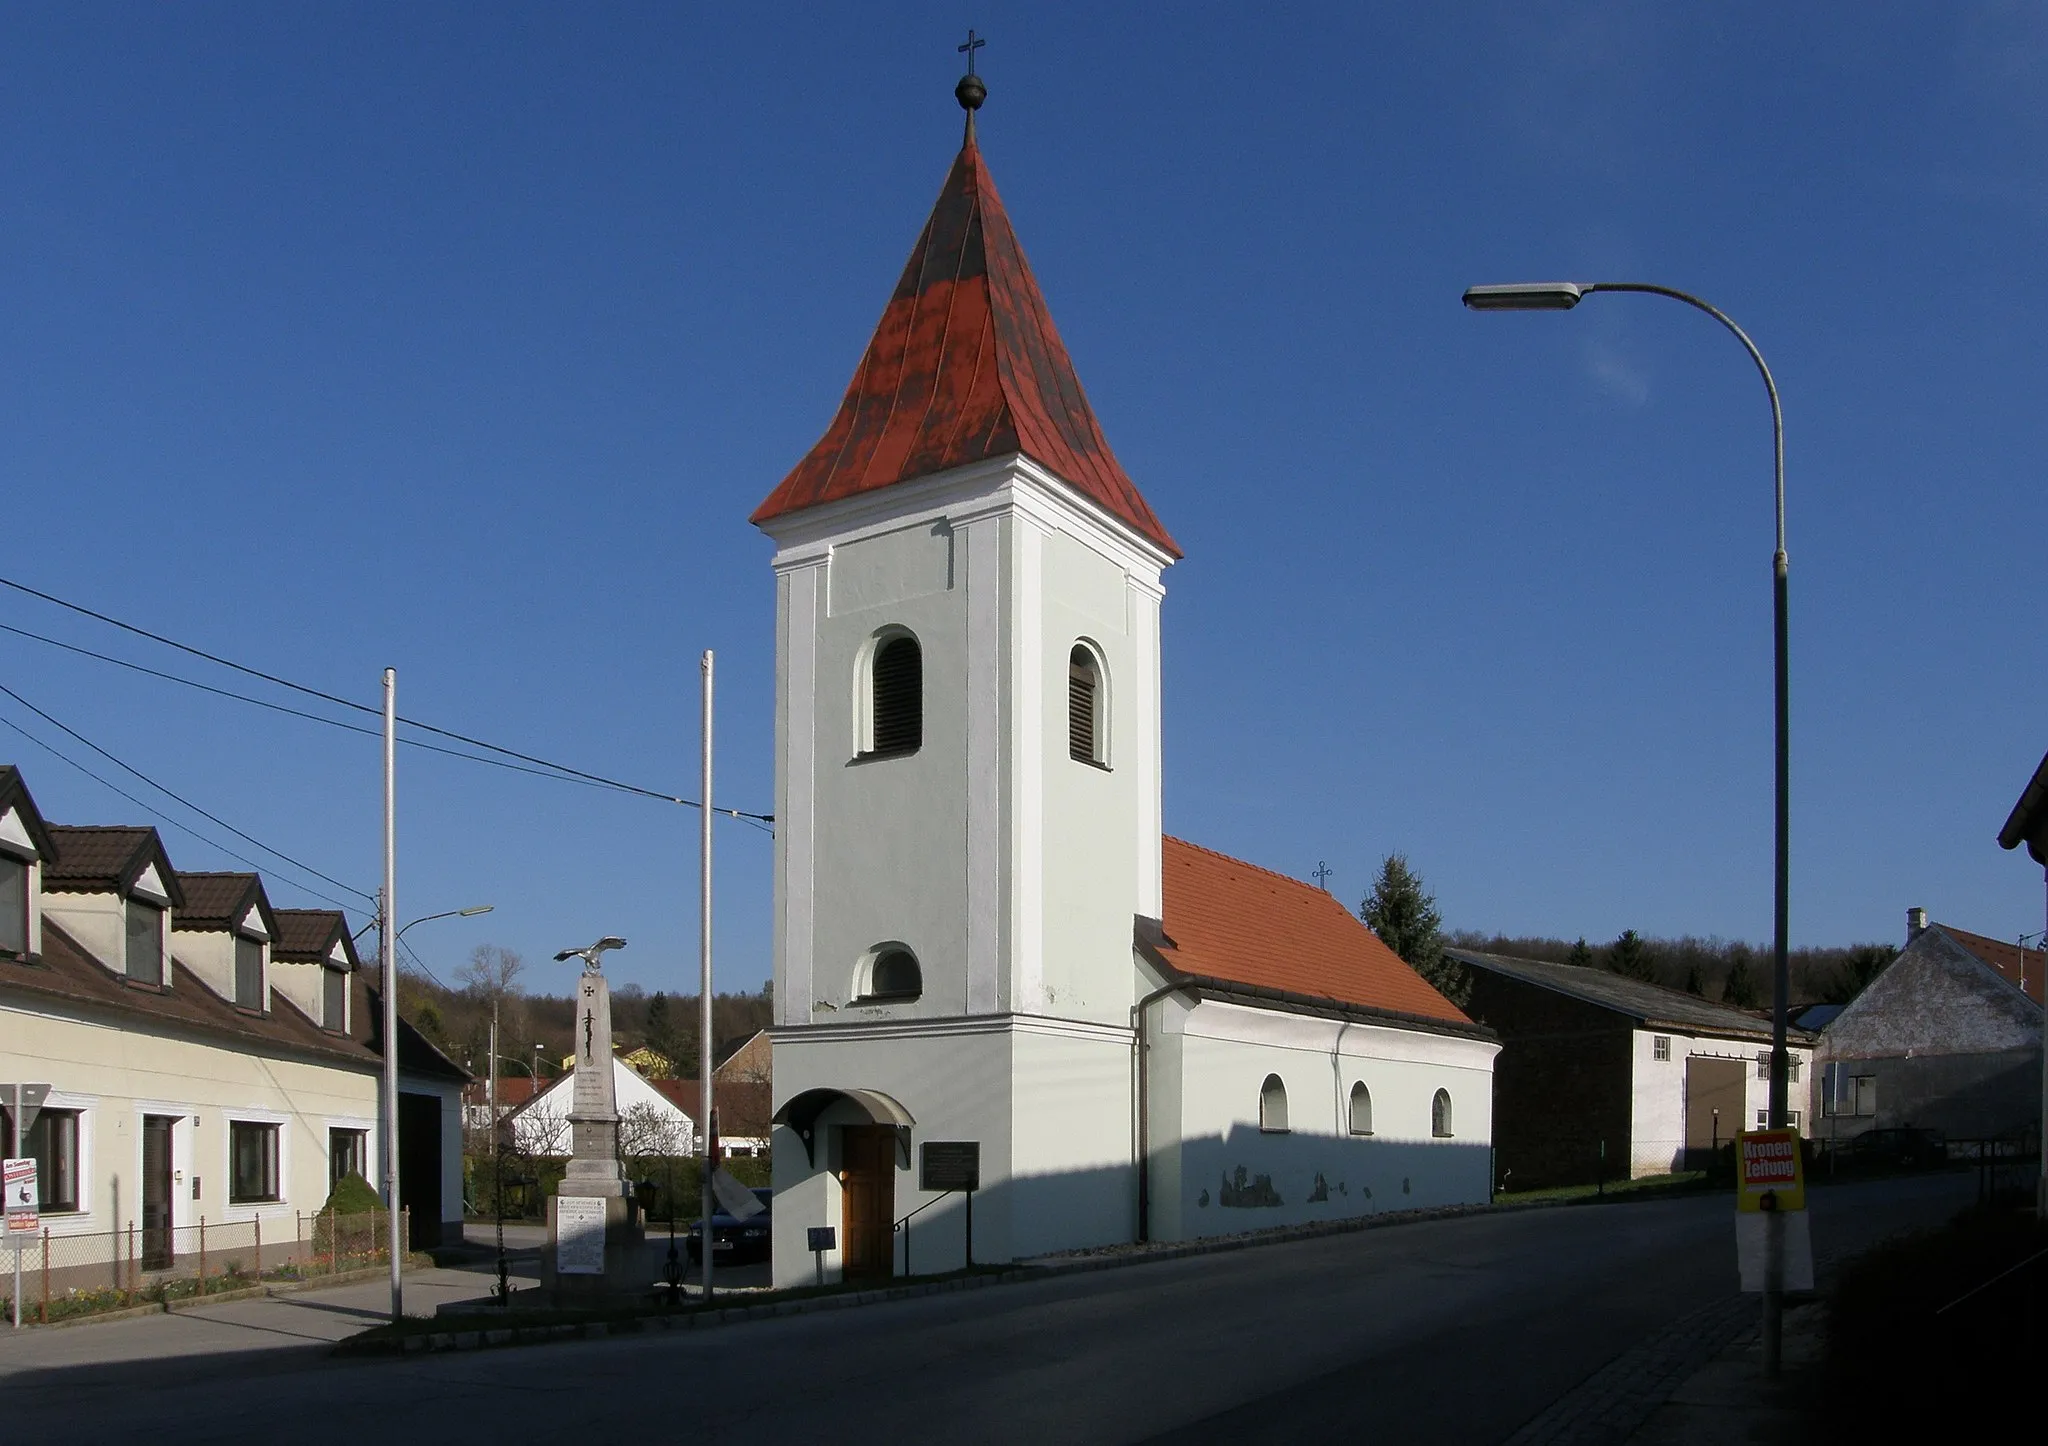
[579, 1235]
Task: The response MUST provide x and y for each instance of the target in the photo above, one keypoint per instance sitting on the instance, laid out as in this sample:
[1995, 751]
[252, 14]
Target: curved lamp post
[1563, 296]
[394, 1246]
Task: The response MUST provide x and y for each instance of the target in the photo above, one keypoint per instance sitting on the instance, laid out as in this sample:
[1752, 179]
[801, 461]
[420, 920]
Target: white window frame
[251, 1209]
[1358, 1088]
[1270, 1087]
[1660, 1048]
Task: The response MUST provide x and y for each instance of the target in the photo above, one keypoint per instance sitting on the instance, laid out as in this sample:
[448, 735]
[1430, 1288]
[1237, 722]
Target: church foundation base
[582, 1267]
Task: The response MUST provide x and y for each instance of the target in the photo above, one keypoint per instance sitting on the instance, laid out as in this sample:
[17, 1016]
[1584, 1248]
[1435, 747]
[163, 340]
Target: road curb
[490, 1336]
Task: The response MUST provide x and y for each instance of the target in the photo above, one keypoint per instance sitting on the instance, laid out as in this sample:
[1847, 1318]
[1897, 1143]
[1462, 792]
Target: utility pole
[706, 1049]
[387, 947]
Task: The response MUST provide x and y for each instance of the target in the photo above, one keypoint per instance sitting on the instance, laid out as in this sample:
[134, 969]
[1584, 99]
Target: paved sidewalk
[306, 1320]
[1728, 1399]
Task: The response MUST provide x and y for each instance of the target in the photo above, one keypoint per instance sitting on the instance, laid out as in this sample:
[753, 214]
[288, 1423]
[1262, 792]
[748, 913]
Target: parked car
[737, 1242]
[1911, 1148]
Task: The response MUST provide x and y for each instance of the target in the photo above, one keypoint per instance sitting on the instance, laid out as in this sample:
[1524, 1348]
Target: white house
[209, 1059]
[984, 945]
[650, 1121]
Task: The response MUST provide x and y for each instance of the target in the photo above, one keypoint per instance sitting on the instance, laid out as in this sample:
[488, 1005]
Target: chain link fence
[65, 1274]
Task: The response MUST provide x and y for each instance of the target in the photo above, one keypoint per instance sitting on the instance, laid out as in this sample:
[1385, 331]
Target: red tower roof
[965, 365]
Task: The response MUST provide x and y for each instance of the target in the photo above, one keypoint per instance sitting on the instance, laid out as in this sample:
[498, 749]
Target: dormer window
[334, 1000]
[896, 698]
[13, 904]
[143, 960]
[248, 972]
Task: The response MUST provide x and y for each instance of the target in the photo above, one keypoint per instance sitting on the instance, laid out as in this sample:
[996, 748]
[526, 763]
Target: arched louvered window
[891, 976]
[1087, 720]
[896, 716]
[1440, 1115]
[1273, 1105]
[1361, 1109]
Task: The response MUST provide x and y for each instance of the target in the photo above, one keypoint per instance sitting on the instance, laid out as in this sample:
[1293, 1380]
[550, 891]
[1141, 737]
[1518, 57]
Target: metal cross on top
[969, 48]
[1322, 875]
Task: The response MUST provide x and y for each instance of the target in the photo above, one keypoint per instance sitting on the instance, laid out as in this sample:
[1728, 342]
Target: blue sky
[465, 339]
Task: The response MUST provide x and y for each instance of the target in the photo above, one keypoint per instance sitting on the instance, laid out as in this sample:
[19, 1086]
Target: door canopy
[800, 1113]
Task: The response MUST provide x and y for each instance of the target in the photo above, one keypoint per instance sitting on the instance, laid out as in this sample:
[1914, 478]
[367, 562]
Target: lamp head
[1527, 296]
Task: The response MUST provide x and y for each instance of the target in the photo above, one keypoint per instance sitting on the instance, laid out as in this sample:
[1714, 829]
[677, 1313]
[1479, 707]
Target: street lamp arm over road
[1563, 296]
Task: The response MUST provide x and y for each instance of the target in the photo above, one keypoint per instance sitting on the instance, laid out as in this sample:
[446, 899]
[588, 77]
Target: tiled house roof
[94, 858]
[1646, 1003]
[2006, 959]
[220, 901]
[308, 936]
[14, 795]
[1236, 924]
[965, 365]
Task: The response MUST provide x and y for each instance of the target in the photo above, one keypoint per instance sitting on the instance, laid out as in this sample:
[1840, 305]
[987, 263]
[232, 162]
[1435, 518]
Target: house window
[144, 960]
[1440, 1115]
[252, 1163]
[1660, 1046]
[1087, 727]
[896, 716]
[1273, 1105]
[13, 904]
[53, 1140]
[333, 1000]
[1863, 1095]
[891, 977]
[1361, 1109]
[1792, 1068]
[1763, 1119]
[1763, 1064]
[248, 972]
[348, 1153]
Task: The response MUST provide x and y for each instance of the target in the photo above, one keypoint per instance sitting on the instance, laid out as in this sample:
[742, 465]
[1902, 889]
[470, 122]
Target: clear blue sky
[464, 339]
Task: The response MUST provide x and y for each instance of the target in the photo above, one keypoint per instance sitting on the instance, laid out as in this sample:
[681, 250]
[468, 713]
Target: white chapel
[990, 964]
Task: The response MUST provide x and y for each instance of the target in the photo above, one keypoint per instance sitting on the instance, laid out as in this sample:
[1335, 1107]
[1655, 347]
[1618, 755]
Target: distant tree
[1405, 917]
[663, 1035]
[1855, 973]
[1696, 980]
[1581, 955]
[1741, 988]
[1631, 958]
[492, 971]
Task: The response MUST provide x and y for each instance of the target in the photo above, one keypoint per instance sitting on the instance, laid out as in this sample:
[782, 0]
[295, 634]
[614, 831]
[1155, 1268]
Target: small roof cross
[969, 48]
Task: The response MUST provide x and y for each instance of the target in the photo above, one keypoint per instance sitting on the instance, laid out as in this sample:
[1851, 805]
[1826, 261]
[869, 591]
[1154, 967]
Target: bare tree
[492, 971]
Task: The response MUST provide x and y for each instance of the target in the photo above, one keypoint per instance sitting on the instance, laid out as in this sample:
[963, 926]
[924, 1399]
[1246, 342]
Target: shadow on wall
[1246, 1179]
[1249, 1179]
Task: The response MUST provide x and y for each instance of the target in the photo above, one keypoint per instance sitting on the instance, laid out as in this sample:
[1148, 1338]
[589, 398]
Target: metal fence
[66, 1274]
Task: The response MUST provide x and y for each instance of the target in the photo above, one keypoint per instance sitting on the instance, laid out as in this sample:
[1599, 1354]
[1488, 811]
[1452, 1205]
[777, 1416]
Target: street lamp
[1563, 296]
[394, 1246]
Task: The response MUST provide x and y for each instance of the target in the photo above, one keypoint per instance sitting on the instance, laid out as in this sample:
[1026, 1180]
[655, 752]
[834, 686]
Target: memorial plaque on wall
[579, 1235]
[950, 1165]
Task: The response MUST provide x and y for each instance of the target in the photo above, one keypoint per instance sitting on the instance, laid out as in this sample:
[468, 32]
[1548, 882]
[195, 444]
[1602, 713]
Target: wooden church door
[867, 1201]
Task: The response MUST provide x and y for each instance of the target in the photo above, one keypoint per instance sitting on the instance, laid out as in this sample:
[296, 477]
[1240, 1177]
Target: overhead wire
[166, 819]
[310, 691]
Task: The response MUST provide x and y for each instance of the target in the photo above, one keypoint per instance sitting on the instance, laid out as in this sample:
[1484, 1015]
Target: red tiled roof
[2005, 958]
[965, 365]
[1233, 921]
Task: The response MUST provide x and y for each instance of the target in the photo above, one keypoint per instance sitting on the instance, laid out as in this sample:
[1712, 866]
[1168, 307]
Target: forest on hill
[1725, 970]
[456, 1016]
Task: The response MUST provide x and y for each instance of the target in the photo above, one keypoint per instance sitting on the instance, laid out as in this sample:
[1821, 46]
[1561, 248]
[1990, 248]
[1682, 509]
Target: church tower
[967, 774]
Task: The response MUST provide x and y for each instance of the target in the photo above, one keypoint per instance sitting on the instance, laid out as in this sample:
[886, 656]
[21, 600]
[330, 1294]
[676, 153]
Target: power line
[341, 702]
[165, 818]
[294, 712]
[211, 818]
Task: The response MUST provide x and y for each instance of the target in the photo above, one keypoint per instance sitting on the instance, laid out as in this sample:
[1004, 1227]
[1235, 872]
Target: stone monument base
[619, 1257]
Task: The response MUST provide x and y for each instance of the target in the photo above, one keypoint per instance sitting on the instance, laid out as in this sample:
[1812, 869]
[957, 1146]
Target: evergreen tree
[1405, 916]
[1631, 958]
[1696, 981]
[1865, 963]
[1581, 955]
[1740, 990]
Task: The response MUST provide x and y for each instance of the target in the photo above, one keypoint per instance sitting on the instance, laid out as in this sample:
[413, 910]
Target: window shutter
[1081, 687]
[899, 697]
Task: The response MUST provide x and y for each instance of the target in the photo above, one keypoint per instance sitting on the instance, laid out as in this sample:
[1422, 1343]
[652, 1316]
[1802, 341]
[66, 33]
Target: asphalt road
[1448, 1331]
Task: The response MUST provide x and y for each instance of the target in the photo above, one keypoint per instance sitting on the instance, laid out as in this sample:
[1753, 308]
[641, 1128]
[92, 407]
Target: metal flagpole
[387, 945]
[705, 1046]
